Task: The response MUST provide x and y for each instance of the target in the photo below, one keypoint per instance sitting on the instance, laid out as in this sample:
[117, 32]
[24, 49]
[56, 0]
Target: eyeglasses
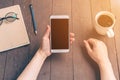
[10, 17]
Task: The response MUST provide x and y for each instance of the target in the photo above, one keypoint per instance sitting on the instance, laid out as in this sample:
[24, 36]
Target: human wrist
[104, 63]
[42, 53]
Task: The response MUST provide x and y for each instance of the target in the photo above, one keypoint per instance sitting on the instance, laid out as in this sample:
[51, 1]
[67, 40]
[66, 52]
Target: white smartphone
[59, 33]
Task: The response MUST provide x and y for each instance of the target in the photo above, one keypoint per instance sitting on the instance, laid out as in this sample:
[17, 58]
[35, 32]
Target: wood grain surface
[75, 65]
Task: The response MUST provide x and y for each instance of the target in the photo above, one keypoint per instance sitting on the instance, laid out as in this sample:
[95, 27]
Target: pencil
[33, 18]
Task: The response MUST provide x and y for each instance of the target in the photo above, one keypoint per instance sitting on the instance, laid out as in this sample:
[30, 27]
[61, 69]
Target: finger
[72, 34]
[47, 33]
[87, 45]
[92, 41]
[72, 40]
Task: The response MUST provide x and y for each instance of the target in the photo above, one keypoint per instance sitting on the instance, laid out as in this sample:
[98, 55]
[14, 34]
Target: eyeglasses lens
[10, 17]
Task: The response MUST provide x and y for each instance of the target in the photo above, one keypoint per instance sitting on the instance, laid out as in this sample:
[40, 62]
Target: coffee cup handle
[110, 33]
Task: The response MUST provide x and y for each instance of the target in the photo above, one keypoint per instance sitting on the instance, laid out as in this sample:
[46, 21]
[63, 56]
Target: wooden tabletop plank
[110, 42]
[2, 65]
[6, 3]
[61, 64]
[115, 8]
[43, 10]
[3, 55]
[84, 67]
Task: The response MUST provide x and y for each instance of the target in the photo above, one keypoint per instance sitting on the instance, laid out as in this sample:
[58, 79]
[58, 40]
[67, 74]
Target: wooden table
[76, 65]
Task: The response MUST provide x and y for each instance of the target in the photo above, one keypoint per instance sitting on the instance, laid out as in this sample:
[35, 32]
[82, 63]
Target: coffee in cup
[104, 23]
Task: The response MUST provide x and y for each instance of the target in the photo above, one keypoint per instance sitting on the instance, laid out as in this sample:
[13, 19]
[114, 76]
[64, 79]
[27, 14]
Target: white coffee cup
[104, 23]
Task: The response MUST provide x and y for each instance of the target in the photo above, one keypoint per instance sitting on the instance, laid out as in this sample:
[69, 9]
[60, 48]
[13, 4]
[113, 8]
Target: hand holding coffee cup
[104, 23]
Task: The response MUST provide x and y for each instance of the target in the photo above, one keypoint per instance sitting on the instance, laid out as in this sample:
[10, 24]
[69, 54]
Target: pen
[33, 18]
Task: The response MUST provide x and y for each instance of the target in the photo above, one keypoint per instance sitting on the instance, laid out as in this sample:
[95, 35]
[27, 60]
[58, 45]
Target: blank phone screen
[59, 34]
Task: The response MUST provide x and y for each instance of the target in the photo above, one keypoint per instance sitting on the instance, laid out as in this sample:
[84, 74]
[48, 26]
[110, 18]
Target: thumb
[47, 33]
[87, 46]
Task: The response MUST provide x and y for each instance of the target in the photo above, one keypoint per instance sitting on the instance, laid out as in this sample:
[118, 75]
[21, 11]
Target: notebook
[12, 34]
